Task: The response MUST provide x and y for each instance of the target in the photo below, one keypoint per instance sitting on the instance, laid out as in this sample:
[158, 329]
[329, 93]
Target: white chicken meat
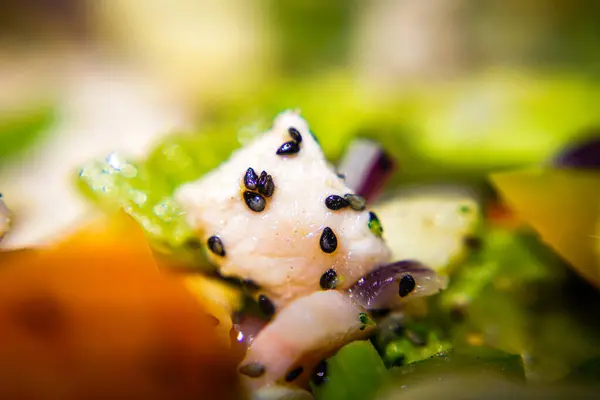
[281, 247]
[277, 214]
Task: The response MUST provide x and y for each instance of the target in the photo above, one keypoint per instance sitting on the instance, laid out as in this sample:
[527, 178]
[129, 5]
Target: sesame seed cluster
[291, 229]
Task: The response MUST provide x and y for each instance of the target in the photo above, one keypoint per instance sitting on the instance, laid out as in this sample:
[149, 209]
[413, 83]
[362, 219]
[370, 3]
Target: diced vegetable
[480, 359]
[388, 284]
[414, 346]
[355, 372]
[564, 207]
[508, 297]
[430, 225]
[143, 188]
[220, 299]
[472, 373]
[583, 154]
[366, 168]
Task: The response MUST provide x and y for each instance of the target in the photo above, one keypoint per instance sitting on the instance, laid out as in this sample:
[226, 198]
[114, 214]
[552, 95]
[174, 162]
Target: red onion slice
[581, 155]
[366, 168]
[247, 328]
[383, 287]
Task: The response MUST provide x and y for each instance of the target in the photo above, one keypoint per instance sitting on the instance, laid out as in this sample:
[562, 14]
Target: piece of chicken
[283, 232]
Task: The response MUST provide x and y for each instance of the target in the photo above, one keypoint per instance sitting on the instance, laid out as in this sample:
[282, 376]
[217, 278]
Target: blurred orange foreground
[95, 318]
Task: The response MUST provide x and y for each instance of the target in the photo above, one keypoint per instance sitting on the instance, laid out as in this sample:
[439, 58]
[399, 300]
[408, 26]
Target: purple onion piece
[380, 288]
[247, 328]
[582, 155]
[366, 168]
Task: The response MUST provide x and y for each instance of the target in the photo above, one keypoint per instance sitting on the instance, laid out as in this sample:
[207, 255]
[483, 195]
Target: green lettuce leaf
[144, 188]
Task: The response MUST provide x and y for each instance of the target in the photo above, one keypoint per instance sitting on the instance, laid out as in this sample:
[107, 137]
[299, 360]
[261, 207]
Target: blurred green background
[454, 89]
[512, 78]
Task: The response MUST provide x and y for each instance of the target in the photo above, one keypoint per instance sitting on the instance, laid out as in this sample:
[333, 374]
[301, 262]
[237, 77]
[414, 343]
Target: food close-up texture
[296, 200]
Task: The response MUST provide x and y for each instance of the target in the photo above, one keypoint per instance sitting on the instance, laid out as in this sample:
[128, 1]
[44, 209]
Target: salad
[312, 279]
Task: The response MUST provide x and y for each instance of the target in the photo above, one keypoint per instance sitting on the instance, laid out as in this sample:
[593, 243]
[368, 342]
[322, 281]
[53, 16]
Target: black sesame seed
[356, 202]
[473, 242]
[320, 373]
[293, 374]
[329, 279]
[335, 202]
[216, 246]
[263, 176]
[328, 241]
[266, 306]
[265, 185]
[294, 134]
[406, 286]
[253, 370]
[250, 179]
[341, 176]
[255, 201]
[290, 147]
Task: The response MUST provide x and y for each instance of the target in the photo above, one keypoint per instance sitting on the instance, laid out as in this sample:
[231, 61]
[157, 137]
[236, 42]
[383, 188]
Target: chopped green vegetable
[375, 225]
[507, 297]
[355, 372]
[467, 374]
[411, 348]
[365, 320]
[481, 359]
[563, 206]
[144, 188]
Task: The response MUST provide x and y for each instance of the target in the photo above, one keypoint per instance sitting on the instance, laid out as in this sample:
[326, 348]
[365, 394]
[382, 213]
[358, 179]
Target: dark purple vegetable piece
[381, 288]
[367, 168]
[266, 306]
[584, 154]
[320, 373]
[247, 328]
